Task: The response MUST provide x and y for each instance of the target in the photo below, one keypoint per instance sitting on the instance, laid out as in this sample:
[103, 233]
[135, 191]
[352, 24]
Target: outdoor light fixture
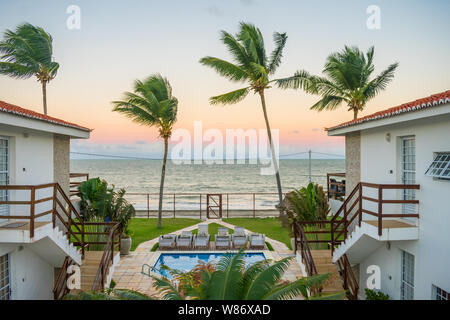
[388, 137]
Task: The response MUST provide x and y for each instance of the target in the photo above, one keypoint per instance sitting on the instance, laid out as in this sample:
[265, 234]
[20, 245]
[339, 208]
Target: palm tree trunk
[272, 149]
[44, 95]
[161, 186]
[355, 114]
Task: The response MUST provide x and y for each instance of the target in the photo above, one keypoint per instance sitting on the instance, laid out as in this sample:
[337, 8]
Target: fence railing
[200, 205]
[75, 181]
[60, 288]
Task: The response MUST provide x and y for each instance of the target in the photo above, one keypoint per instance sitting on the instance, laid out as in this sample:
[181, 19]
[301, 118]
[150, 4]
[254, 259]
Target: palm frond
[277, 53]
[168, 290]
[236, 49]
[253, 42]
[380, 82]
[327, 103]
[266, 279]
[125, 294]
[225, 68]
[226, 280]
[300, 80]
[230, 97]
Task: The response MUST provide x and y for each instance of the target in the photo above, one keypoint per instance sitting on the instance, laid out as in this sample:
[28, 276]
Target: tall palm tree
[28, 52]
[231, 280]
[347, 80]
[152, 104]
[252, 66]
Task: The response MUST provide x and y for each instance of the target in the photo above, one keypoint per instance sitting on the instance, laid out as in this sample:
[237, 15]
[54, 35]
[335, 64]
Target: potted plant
[125, 241]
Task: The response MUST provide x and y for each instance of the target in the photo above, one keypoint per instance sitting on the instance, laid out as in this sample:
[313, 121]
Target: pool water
[187, 261]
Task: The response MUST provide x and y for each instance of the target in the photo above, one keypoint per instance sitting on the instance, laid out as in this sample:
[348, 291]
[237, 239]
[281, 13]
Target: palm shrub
[27, 52]
[307, 204]
[100, 203]
[152, 104]
[347, 80]
[229, 279]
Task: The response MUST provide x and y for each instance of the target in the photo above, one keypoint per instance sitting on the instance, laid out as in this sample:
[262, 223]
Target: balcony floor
[390, 224]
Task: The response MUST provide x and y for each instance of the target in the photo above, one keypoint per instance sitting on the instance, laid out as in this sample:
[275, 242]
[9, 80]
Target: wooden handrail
[350, 282]
[60, 287]
[107, 258]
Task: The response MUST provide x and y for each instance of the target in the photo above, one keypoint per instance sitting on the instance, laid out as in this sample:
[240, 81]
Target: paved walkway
[127, 273]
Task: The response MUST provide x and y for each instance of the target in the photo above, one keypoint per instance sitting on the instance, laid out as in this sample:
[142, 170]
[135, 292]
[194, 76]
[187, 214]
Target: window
[4, 167]
[439, 294]
[5, 285]
[440, 167]
[407, 286]
[409, 172]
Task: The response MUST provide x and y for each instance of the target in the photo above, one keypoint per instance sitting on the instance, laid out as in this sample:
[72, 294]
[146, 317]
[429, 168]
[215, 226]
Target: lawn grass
[213, 229]
[146, 229]
[271, 227]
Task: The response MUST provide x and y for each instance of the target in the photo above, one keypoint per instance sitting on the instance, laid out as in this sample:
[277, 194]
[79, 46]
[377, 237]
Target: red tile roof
[431, 101]
[19, 111]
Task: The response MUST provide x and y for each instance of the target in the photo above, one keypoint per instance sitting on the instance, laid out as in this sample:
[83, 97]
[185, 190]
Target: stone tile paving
[127, 274]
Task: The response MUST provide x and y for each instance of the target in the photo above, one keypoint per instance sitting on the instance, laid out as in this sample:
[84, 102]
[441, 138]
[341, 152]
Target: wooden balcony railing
[350, 283]
[56, 203]
[353, 208]
[75, 181]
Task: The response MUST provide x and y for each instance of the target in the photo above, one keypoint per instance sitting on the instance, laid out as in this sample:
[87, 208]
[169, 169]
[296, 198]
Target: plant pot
[125, 245]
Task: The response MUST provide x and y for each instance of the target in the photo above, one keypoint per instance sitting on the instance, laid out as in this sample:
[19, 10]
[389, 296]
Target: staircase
[324, 264]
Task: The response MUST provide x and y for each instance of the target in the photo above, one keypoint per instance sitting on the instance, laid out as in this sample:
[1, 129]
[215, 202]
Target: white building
[34, 152]
[404, 145]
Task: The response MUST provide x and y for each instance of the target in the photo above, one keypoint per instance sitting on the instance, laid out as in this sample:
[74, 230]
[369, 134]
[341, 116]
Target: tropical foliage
[99, 203]
[152, 104]
[376, 295]
[347, 80]
[27, 52]
[251, 65]
[229, 279]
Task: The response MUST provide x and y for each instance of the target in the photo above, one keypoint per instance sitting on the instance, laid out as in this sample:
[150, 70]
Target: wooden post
[360, 204]
[54, 206]
[200, 206]
[254, 208]
[380, 210]
[345, 221]
[148, 206]
[332, 236]
[82, 239]
[32, 199]
[228, 215]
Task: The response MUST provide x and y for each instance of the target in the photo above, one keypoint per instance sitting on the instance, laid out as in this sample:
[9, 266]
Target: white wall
[31, 163]
[431, 251]
[31, 277]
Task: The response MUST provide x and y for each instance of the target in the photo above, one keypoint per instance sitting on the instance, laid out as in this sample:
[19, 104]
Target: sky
[120, 41]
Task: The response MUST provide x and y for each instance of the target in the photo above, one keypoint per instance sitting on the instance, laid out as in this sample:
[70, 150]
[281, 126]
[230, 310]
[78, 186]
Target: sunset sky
[120, 41]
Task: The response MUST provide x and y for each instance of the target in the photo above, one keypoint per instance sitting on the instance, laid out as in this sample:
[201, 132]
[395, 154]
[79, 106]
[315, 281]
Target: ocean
[143, 176]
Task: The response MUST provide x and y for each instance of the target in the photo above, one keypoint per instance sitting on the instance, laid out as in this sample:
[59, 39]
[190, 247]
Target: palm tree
[252, 66]
[232, 281]
[152, 104]
[347, 80]
[28, 52]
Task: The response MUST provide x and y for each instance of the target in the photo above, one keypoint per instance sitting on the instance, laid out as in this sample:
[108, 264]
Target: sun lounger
[239, 238]
[223, 239]
[201, 240]
[184, 241]
[257, 241]
[167, 241]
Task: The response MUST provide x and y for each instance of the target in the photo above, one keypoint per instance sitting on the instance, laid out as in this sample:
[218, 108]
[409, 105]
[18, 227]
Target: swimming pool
[187, 261]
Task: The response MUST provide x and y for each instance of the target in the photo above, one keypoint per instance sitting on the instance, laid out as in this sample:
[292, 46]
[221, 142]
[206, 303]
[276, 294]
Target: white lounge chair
[184, 241]
[201, 240]
[257, 241]
[239, 238]
[167, 241]
[223, 239]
